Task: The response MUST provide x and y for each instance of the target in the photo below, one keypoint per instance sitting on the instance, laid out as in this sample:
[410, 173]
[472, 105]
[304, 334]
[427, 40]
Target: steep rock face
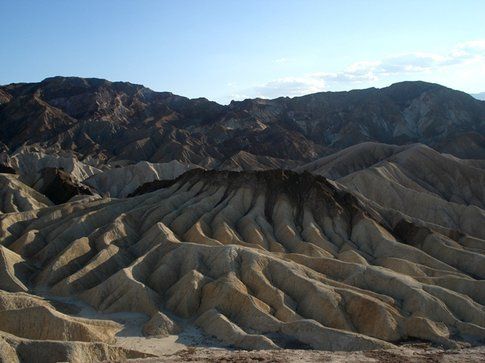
[261, 260]
[126, 121]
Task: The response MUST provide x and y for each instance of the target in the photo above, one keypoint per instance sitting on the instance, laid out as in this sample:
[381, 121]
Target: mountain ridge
[125, 121]
[425, 84]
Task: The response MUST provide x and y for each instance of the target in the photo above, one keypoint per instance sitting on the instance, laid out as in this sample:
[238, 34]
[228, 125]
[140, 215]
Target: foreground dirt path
[400, 355]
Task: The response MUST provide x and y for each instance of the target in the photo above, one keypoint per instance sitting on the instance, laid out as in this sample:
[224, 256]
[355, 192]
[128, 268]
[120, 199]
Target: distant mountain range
[479, 96]
[124, 121]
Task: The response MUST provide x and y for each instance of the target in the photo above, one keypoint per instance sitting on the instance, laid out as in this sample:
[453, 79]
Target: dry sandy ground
[400, 355]
[192, 345]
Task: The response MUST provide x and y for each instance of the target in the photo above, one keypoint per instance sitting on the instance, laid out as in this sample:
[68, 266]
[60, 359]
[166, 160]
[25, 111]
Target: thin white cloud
[293, 86]
[460, 61]
[282, 60]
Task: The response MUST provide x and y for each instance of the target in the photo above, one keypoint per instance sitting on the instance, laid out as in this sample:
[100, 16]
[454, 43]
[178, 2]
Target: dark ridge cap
[285, 180]
[300, 188]
[279, 176]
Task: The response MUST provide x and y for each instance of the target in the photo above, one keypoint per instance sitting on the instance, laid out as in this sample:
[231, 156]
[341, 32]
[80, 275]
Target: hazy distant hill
[479, 96]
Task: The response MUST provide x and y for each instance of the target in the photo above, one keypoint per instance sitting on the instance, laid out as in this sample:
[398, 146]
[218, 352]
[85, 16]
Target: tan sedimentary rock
[44, 323]
[16, 196]
[13, 271]
[260, 260]
[414, 180]
[30, 317]
[160, 325]
[15, 349]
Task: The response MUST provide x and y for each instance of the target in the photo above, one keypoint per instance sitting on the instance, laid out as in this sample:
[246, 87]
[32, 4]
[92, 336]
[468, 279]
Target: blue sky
[231, 49]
